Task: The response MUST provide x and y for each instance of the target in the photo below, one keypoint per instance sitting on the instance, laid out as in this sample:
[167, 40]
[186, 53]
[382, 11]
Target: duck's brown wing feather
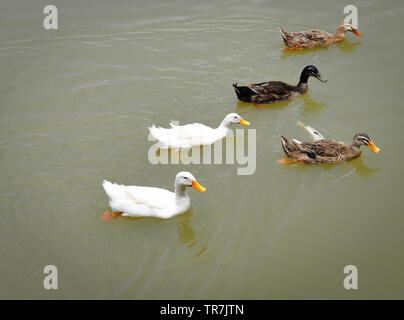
[327, 148]
[271, 91]
[306, 38]
[272, 86]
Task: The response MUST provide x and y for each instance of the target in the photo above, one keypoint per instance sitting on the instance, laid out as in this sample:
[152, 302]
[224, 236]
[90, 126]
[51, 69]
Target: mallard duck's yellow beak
[373, 147]
[197, 186]
[244, 122]
[357, 33]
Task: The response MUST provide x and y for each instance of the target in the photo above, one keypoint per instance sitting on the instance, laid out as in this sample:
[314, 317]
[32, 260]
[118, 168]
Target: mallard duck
[272, 91]
[316, 38]
[322, 150]
[134, 201]
[195, 134]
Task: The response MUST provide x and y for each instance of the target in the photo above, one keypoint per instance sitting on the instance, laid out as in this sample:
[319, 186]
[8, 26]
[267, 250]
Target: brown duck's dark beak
[373, 147]
[320, 78]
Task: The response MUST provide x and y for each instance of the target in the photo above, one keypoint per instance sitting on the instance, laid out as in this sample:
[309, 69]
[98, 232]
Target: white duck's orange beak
[244, 122]
[373, 147]
[197, 186]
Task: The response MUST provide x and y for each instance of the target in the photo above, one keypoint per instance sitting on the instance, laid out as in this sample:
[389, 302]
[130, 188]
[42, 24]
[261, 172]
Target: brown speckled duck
[322, 150]
[316, 38]
[272, 91]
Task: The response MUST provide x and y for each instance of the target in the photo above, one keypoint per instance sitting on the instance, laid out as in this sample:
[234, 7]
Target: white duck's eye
[185, 178]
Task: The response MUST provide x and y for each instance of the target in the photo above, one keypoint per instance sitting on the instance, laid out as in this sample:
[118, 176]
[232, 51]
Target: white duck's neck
[180, 191]
[225, 125]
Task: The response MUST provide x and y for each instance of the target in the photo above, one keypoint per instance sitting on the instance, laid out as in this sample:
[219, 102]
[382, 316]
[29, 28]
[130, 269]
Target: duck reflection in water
[348, 46]
[345, 46]
[361, 169]
[187, 234]
[241, 105]
[312, 106]
[309, 105]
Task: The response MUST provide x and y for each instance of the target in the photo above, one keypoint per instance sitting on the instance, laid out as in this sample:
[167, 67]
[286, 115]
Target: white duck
[316, 136]
[195, 134]
[134, 201]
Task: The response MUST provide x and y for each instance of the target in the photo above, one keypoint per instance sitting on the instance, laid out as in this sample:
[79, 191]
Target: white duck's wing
[184, 136]
[139, 201]
[194, 130]
[311, 131]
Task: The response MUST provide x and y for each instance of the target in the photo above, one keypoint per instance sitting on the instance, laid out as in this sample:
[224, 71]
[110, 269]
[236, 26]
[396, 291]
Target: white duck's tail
[166, 136]
[311, 131]
[112, 190]
[160, 134]
[154, 131]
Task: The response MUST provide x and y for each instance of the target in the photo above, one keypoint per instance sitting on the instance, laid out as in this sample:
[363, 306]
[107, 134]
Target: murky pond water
[75, 107]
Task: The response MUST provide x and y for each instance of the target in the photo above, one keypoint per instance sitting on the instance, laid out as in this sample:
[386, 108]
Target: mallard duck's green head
[311, 71]
[363, 138]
